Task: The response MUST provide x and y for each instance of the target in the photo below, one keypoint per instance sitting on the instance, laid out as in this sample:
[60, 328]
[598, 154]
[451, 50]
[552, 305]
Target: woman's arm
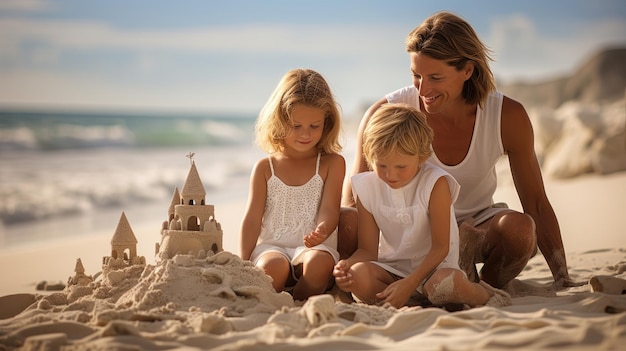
[368, 237]
[518, 141]
[359, 165]
[367, 250]
[253, 216]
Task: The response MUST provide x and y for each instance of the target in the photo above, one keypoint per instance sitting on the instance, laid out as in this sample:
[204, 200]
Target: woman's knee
[347, 231]
[517, 232]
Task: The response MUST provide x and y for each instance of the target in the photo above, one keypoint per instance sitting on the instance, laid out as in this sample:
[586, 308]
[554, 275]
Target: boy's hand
[397, 294]
[343, 276]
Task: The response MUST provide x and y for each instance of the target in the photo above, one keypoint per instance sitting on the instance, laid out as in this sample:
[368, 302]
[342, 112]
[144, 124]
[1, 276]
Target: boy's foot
[500, 298]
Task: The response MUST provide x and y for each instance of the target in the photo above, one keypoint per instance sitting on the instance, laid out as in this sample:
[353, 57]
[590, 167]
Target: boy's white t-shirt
[403, 219]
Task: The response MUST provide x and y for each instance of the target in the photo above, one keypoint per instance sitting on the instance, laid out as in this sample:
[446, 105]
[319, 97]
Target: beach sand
[222, 303]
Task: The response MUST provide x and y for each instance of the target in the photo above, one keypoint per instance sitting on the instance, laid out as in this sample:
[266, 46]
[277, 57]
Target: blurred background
[100, 101]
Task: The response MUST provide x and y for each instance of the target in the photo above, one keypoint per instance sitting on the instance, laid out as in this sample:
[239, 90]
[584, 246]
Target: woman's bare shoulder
[517, 131]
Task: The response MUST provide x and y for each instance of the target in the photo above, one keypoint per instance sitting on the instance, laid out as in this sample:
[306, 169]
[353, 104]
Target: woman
[474, 125]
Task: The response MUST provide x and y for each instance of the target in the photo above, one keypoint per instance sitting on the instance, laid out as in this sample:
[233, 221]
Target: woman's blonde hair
[448, 37]
[397, 128]
[298, 86]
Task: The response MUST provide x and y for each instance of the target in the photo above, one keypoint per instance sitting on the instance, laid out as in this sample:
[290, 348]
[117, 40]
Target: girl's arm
[253, 216]
[328, 213]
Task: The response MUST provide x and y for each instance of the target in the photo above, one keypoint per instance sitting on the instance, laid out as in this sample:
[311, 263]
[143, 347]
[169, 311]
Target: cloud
[523, 51]
[208, 67]
[316, 40]
[25, 6]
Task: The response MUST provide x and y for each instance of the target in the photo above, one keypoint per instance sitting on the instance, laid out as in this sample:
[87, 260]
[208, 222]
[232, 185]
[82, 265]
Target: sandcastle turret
[175, 201]
[191, 227]
[124, 242]
[123, 246]
[193, 192]
[79, 278]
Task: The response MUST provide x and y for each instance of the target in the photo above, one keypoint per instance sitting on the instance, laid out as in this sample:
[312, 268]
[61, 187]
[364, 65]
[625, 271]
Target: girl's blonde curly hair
[298, 86]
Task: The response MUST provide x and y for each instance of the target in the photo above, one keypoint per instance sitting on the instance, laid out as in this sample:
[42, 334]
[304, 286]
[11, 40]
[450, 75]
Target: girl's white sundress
[290, 214]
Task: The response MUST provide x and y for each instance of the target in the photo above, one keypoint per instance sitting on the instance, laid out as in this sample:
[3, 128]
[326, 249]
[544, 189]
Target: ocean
[68, 174]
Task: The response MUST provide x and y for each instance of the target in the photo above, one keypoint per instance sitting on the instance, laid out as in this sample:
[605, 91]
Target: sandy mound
[220, 282]
[217, 294]
[223, 303]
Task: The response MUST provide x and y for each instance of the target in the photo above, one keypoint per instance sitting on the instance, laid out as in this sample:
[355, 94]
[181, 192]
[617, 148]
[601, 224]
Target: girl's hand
[318, 236]
[397, 294]
[343, 276]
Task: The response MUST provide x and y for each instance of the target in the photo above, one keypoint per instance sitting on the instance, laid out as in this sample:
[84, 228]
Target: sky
[227, 56]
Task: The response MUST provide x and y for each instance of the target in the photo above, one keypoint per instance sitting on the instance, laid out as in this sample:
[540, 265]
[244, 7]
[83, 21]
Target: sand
[220, 302]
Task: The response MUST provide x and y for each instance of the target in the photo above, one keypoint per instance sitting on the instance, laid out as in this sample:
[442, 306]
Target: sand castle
[191, 241]
[191, 227]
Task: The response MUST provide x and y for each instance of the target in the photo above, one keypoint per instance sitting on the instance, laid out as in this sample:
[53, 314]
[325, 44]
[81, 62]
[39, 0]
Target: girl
[289, 227]
[410, 203]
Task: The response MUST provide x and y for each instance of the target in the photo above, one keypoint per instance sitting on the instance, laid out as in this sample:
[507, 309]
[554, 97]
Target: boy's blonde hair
[397, 128]
[298, 86]
[447, 37]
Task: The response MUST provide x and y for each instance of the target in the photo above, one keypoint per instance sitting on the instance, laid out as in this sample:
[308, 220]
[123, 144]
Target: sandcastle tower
[191, 227]
[123, 246]
[79, 278]
[124, 242]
